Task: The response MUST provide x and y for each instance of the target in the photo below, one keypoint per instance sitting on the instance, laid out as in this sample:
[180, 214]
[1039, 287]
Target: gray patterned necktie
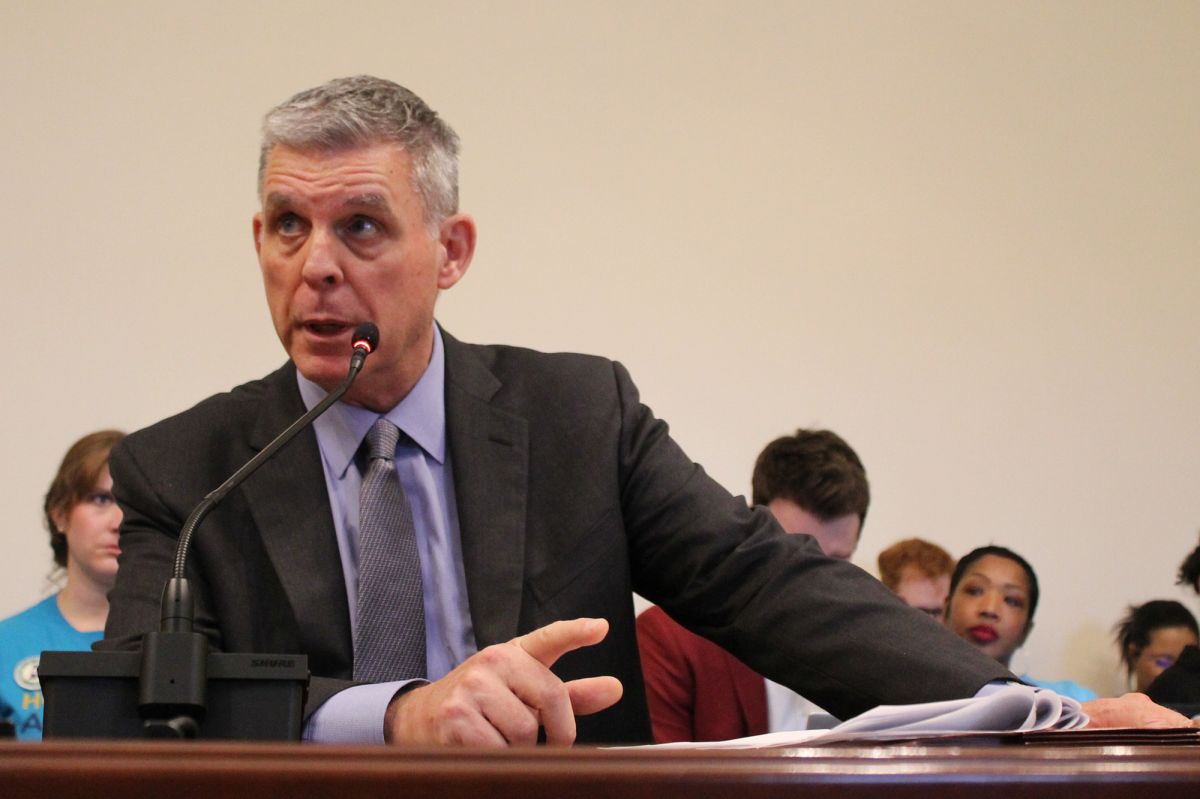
[389, 636]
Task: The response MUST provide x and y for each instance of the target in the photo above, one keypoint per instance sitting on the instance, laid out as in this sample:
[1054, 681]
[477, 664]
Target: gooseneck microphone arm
[365, 341]
[171, 693]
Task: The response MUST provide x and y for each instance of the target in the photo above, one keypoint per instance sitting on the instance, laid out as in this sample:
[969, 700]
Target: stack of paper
[998, 709]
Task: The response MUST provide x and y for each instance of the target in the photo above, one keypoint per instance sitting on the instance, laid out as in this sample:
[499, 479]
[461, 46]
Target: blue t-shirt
[23, 637]
[1063, 688]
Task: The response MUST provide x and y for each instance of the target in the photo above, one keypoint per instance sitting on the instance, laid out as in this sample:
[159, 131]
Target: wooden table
[164, 770]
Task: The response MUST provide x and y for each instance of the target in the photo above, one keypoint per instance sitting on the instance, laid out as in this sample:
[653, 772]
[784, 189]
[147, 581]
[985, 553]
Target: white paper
[1002, 708]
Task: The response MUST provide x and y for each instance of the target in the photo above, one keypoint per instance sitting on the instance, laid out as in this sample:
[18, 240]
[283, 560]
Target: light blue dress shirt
[424, 471]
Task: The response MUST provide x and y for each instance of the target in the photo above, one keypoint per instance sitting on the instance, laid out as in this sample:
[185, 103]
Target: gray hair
[354, 112]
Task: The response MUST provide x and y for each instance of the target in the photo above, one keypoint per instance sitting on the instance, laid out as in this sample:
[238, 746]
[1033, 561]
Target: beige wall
[962, 234]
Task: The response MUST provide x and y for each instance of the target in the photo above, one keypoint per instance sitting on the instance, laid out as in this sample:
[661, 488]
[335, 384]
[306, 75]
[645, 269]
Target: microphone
[173, 678]
[364, 341]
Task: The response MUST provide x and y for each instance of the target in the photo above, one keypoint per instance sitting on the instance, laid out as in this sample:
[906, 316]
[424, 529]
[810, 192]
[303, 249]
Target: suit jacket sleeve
[823, 627]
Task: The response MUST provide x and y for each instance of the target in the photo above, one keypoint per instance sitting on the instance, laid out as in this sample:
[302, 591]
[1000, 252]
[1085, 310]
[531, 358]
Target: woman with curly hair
[1151, 637]
[1179, 685]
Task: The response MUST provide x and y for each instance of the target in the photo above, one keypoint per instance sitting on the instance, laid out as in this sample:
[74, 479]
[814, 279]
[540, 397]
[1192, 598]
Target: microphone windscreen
[366, 335]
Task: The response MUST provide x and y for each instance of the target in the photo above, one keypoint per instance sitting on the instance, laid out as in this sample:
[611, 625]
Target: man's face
[342, 239]
[923, 592]
[838, 537]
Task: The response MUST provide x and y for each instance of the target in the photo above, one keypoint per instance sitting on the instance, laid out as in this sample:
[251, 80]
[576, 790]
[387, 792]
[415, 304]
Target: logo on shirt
[25, 674]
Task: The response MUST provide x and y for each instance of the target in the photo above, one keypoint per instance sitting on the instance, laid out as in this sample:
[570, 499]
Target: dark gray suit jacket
[571, 496]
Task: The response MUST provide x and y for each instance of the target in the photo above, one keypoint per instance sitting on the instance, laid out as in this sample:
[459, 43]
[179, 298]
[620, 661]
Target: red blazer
[695, 689]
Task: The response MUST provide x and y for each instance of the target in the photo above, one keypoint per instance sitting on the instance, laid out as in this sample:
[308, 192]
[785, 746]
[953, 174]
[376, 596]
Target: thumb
[593, 694]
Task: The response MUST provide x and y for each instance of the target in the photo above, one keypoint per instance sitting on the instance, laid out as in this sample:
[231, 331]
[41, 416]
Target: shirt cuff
[355, 715]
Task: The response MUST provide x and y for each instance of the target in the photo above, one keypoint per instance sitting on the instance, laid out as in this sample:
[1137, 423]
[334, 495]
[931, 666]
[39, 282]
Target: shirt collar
[421, 415]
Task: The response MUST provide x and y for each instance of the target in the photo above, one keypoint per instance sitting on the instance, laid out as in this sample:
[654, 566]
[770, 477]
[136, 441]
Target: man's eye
[288, 224]
[362, 227]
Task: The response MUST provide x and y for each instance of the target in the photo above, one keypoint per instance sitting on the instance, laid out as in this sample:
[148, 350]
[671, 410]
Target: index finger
[547, 644]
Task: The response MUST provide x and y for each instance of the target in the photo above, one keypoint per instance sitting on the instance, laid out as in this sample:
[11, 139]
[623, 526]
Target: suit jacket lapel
[489, 456]
[290, 505]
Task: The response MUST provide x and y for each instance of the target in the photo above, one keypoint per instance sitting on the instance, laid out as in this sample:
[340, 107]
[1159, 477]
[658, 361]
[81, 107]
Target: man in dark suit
[542, 491]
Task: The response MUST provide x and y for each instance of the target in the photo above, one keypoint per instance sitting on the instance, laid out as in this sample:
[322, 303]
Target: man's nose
[321, 259]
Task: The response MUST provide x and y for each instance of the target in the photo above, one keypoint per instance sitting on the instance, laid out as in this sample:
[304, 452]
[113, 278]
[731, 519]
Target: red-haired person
[918, 572]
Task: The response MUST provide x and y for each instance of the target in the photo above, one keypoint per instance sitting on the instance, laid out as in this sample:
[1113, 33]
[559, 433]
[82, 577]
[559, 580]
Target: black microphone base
[248, 696]
[178, 728]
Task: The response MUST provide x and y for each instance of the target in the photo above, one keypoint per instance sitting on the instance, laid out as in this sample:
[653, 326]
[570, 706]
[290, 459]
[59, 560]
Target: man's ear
[457, 237]
[258, 229]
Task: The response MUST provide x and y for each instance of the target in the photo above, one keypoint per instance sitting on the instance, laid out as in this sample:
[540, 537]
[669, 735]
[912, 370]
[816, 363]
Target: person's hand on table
[502, 694]
[1132, 710]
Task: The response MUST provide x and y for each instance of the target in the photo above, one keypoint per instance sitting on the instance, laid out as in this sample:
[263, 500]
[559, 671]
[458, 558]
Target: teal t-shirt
[1063, 688]
[23, 637]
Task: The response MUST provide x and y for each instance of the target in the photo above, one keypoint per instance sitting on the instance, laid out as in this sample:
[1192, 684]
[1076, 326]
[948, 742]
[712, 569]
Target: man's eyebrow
[369, 200]
[277, 199]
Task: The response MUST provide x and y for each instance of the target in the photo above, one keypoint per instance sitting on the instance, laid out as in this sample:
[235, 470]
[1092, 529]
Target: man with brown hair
[814, 484]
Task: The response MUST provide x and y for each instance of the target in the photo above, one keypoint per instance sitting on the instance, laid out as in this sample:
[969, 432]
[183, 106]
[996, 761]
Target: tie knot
[382, 439]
